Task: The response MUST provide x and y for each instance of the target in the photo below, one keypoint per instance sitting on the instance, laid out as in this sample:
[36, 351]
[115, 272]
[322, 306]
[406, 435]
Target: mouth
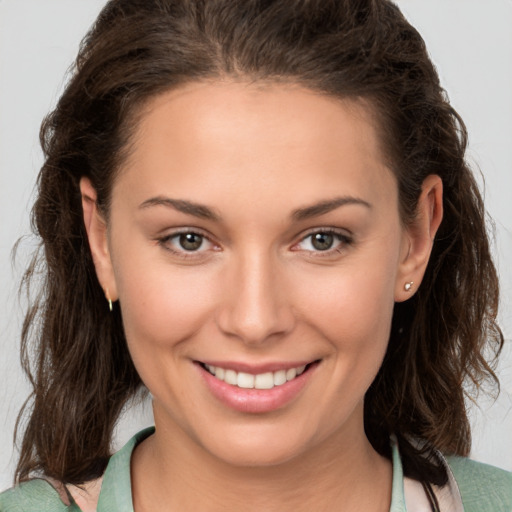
[256, 389]
[262, 381]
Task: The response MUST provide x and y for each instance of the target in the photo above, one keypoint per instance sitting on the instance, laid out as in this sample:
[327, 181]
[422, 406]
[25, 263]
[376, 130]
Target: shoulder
[36, 495]
[482, 487]
[110, 492]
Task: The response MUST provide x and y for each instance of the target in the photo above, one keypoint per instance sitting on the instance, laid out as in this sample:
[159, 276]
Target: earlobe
[96, 229]
[419, 238]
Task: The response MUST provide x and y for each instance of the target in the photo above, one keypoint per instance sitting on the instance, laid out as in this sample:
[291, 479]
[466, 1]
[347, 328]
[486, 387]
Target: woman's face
[254, 230]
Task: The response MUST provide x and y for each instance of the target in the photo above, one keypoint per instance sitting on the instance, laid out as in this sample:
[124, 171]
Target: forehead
[211, 139]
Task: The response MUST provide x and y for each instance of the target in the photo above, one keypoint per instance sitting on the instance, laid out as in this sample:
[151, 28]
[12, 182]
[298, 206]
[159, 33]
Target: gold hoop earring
[107, 296]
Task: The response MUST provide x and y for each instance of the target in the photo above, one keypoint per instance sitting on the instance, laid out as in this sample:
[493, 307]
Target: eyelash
[343, 239]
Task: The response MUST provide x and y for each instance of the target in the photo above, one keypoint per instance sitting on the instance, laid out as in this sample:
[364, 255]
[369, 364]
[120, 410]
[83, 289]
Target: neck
[171, 472]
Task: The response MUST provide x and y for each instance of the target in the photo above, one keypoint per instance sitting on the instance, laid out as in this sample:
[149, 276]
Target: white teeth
[264, 381]
[260, 381]
[244, 380]
[291, 373]
[279, 377]
[230, 377]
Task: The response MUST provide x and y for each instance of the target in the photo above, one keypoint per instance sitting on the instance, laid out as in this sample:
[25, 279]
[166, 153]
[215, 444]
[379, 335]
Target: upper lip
[256, 369]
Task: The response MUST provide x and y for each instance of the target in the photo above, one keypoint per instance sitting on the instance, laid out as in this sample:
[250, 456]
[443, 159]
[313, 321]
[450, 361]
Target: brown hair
[360, 49]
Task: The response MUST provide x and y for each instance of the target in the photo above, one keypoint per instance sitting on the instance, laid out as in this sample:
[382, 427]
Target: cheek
[162, 304]
[352, 312]
[351, 306]
[351, 309]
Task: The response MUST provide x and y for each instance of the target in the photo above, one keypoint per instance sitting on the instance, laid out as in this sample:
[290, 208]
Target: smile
[267, 380]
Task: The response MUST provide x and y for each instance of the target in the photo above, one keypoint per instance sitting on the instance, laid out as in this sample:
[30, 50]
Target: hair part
[363, 50]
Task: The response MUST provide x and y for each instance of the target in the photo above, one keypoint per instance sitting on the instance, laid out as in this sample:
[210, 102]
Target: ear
[419, 238]
[96, 228]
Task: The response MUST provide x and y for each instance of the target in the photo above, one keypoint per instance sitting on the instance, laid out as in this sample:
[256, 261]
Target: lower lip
[256, 400]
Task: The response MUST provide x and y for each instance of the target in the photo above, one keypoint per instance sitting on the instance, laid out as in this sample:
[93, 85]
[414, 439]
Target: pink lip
[255, 400]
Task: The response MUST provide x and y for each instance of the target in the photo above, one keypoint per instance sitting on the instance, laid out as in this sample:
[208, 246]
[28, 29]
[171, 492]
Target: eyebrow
[324, 207]
[204, 212]
[187, 207]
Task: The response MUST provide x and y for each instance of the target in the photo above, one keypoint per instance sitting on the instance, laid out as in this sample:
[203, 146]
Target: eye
[186, 242]
[324, 241]
[190, 241]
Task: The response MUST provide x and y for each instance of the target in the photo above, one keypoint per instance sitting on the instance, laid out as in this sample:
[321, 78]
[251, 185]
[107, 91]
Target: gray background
[469, 40]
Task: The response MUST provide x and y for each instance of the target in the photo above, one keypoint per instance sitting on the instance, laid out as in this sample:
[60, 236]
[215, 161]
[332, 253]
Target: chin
[264, 444]
[256, 455]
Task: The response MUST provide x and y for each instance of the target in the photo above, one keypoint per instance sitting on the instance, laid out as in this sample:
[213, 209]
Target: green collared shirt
[483, 488]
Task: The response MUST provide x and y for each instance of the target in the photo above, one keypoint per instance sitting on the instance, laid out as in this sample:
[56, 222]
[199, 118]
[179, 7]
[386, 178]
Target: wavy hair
[82, 374]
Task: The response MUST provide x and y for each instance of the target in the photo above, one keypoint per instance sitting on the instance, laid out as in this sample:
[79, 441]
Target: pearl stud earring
[408, 286]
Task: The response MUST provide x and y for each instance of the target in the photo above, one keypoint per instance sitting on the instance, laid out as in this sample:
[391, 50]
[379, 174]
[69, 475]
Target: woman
[261, 212]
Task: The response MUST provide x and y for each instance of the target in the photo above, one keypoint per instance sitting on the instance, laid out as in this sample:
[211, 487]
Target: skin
[257, 291]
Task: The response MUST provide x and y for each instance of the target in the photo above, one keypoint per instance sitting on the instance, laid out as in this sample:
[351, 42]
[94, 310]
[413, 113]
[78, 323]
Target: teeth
[230, 377]
[264, 381]
[291, 373]
[279, 377]
[244, 380]
[260, 381]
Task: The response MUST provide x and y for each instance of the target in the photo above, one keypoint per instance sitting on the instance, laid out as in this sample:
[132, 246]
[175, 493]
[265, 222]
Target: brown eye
[322, 241]
[190, 241]
[188, 244]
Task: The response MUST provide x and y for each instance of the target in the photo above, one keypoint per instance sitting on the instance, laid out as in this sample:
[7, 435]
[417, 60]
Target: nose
[255, 308]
